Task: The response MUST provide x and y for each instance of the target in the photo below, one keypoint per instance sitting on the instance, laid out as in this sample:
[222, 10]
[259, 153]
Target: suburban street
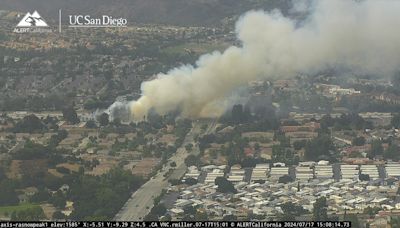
[141, 201]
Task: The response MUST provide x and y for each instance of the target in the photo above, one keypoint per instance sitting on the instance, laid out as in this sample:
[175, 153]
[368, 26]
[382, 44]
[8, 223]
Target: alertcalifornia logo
[35, 23]
[32, 23]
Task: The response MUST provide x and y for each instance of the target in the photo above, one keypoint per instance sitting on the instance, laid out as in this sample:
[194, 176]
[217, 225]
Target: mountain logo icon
[32, 20]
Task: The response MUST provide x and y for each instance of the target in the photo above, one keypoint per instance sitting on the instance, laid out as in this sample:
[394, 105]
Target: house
[308, 127]
[69, 208]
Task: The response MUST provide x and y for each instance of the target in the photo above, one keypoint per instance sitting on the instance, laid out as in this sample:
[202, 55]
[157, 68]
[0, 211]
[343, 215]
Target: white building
[277, 172]
[304, 173]
[349, 172]
[193, 172]
[260, 172]
[236, 174]
[371, 170]
[211, 176]
[392, 170]
[323, 171]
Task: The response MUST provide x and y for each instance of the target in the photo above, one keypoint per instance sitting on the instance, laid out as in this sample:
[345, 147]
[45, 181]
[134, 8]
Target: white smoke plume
[357, 36]
[118, 110]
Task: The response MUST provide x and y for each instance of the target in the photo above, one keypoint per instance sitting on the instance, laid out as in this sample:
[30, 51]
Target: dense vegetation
[29, 214]
[345, 122]
[224, 185]
[94, 197]
[321, 148]
[30, 124]
[100, 198]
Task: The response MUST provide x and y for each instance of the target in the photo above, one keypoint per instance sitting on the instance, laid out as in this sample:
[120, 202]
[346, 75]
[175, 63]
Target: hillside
[174, 12]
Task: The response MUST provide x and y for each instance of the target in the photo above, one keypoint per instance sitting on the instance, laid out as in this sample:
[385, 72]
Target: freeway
[141, 201]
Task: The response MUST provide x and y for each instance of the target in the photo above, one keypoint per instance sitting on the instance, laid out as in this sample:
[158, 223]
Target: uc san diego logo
[32, 23]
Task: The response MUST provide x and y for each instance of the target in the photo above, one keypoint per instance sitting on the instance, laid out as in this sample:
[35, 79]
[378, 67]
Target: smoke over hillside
[355, 36]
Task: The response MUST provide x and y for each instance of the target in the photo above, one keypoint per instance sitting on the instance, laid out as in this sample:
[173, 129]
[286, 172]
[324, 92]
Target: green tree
[41, 196]
[31, 151]
[30, 214]
[190, 181]
[29, 124]
[70, 115]
[201, 216]
[395, 122]
[285, 179]
[364, 177]
[394, 221]
[191, 160]
[189, 210]
[281, 154]
[58, 200]
[224, 185]
[2, 174]
[174, 182]
[91, 124]
[291, 210]
[354, 221]
[299, 144]
[58, 215]
[101, 197]
[320, 210]
[327, 121]
[189, 147]
[229, 218]
[376, 148]
[103, 119]
[322, 146]
[159, 209]
[371, 211]
[8, 196]
[63, 170]
[358, 141]
[392, 152]
[57, 138]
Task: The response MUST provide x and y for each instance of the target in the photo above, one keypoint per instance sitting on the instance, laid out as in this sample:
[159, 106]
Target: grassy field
[10, 209]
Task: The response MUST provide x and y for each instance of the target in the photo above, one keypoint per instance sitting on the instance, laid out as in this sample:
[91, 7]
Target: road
[141, 201]
[16, 147]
